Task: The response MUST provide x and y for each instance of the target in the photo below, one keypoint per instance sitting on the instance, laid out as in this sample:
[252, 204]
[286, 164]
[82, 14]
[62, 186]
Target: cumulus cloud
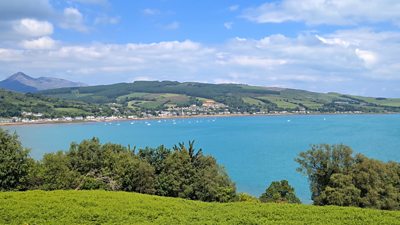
[40, 43]
[73, 19]
[33, 27]
[323, 62]
[368, 57]
[338, 12]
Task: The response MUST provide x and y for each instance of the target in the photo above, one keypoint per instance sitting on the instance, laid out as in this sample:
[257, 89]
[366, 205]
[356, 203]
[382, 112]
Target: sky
[346, 46]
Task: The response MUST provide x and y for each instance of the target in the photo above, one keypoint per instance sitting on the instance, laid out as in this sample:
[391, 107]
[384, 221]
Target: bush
[280, 191]
[15, 163]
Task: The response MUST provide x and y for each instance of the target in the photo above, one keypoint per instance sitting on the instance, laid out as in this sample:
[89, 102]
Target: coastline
[6, 124]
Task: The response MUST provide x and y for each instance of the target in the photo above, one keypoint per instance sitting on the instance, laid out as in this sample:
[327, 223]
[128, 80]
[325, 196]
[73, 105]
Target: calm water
[254, 150]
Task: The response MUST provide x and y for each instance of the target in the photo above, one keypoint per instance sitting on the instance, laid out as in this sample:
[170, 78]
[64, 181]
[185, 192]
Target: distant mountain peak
[19, 75]
[21, 82]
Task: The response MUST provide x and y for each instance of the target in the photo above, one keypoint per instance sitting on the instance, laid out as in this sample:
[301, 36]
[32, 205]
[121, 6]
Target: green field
[102, 207]
[236, 97]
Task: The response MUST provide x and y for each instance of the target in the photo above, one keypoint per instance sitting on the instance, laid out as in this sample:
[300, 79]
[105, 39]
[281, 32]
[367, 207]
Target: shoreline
[181, 117]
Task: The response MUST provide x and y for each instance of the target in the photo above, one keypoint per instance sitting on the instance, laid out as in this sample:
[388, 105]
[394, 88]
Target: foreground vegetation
[106, 176]
[103, 207]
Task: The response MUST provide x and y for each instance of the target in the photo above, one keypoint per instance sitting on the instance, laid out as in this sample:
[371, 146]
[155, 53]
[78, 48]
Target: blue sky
[348, 46]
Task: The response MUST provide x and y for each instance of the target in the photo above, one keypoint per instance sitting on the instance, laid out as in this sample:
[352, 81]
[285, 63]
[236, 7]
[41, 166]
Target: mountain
[160, 95]
[21, 82]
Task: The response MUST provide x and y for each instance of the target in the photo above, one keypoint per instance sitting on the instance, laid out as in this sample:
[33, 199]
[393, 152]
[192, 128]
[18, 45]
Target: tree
[14, 163]
[320, 162]
[155, 156]
[338, 178]
[187, 173]
[56, 172]
[135, 174]
[86, 157]
[378, 182]
[176, 177]
[340, 191]
[280, 191]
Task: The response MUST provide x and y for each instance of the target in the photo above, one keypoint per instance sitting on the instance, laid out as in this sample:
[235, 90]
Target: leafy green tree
[176, 177]
[155, 156]
[56, 172]
[320, 162]
[135, 174]
[378, 182]
[14, 163]
[338, 178]
[211, 183]
[340, 191]
[86, 157]
[280, 191]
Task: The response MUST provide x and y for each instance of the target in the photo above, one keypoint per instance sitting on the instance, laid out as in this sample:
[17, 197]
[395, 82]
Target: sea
[254, 150]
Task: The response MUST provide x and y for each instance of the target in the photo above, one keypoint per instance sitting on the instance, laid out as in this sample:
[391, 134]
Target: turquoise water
[254, 150]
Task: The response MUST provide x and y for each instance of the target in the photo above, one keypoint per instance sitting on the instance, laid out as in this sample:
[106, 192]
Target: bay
[255, 150]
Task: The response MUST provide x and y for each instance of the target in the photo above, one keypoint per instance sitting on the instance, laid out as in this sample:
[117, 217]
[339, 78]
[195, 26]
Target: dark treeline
[336, 175]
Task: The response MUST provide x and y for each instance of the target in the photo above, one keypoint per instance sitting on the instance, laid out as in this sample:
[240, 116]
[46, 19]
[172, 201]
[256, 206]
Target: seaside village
[208, 108]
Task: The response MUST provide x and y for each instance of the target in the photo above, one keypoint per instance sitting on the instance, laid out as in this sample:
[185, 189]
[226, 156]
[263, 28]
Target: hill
[21, 82]
[164, 95]
[102, 207]
[14, 104]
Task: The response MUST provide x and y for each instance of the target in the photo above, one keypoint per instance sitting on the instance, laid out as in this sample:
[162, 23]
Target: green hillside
[102, 207]
[155, 95]
[13, 104]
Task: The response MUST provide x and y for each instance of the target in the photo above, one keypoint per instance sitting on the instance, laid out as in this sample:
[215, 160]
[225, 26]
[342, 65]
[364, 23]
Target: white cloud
[368, 57]
[336, 12]
[40, 43]
[95, 2]
[105, 20]
[233, 8]
[333, 41]
[172, 26]
[33, 27]
[228, 25]
[8, 55]
[73, 19]
[328, 62]
[151, 12]
[250, 61]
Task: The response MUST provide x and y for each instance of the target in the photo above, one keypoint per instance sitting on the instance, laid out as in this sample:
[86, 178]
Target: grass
[280, 102]
[143, 100]
[252, 101]
[102, 207]
[393, 102]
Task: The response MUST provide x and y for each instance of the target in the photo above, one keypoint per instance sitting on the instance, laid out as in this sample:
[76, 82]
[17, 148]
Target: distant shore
[179, 117]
